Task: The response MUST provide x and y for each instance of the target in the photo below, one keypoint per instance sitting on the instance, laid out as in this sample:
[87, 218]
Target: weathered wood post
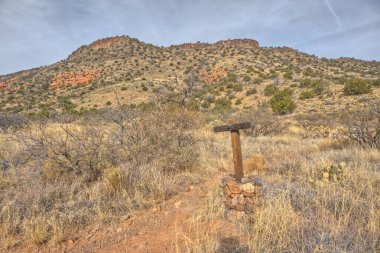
[236, 147]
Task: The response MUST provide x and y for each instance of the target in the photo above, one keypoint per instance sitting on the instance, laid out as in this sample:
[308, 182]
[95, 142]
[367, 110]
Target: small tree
[357, 87]
[282, 102]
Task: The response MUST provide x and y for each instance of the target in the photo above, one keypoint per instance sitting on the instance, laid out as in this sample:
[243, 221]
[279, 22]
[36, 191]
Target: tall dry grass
[302, 212]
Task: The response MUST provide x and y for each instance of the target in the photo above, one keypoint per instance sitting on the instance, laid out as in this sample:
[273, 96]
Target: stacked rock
[244, 196]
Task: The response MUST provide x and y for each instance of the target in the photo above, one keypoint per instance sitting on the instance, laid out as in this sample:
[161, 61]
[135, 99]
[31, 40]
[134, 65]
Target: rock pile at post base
[242, 197]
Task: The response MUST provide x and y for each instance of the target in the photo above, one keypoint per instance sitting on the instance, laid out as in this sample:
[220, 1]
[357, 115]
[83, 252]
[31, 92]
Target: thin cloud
[332, 11]
[41, 32]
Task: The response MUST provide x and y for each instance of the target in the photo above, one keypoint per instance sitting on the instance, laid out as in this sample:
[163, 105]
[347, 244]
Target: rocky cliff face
[240, 42]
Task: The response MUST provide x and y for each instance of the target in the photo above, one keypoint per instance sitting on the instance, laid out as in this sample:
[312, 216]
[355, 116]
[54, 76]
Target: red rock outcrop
[82, 77]
[108, 42]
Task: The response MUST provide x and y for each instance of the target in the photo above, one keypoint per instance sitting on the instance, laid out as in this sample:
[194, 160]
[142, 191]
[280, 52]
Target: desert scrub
[66, 172]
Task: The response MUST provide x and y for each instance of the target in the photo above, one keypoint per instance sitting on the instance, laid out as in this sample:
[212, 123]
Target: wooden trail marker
[236, 147]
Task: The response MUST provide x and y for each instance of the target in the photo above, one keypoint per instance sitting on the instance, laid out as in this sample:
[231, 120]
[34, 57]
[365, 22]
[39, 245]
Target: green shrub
[288, 75]
[258, 80]
[251, 91]
[357, 87]
[238, 87]
[304, 83]
[222, 103]
[270, 89]
[282, 102]
[307, 94]
[108, 103]
[210, 99]
[319, 86]
[376, 82]
[246, 78]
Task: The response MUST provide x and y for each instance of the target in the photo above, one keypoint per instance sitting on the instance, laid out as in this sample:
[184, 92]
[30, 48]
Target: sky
[34, 33]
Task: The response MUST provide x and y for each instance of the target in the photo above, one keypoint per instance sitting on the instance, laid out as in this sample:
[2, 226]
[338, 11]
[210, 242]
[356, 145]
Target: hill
[123, 70]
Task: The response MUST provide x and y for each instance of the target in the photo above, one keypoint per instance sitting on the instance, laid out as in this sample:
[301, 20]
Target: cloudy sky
[41, 32]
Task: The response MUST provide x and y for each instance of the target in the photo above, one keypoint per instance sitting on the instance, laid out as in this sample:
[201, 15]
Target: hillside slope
[238, 70]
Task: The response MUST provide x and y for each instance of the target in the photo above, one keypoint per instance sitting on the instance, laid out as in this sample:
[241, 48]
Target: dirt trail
[152, 231]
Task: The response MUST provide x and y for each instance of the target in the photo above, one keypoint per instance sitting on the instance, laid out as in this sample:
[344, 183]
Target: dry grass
[255, 164]
[60, 176]
[302, 213]
[43, 198]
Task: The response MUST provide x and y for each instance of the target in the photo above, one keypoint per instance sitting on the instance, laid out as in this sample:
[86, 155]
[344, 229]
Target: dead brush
[37, 229]
[256, 164]
[114, 181]
[9, 226]
[333, 144]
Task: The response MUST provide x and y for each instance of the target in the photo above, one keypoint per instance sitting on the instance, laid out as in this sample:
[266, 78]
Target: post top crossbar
[232, 127]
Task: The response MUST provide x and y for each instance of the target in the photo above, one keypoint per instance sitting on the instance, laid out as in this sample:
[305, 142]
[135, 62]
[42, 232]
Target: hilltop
[237, 71]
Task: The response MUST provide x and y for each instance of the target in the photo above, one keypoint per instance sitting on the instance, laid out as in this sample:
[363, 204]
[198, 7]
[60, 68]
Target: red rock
[233, 188]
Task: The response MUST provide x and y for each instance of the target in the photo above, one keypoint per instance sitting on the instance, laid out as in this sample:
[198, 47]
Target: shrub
[263, 123]
[246, 78]
[363, 126]
[222, 103]
[270, 90]
[238, 87]
[11, 121]
[288, 75]
[376, 82]
[319, 86]
[238, 101]
[282, 102]
[68, 107]
[307, 94]
[251, 92]
[306, 83]
[108, 103]
[210, 99]
[75, 170]
[258, 80]
[357, 87]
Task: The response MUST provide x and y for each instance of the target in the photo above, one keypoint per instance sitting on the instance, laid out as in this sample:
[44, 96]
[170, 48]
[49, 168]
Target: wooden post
[236, 147]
